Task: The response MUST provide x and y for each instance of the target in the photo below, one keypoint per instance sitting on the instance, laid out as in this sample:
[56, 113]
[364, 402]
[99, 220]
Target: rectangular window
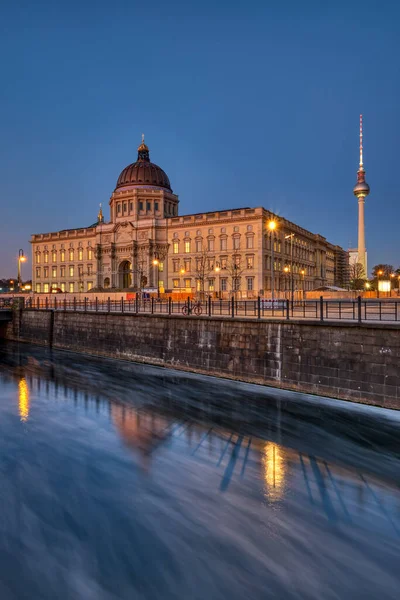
[80, 254]
[125, 207]
[161, 267]
[62, 287]
[236, 243]
[198, 245]
[46, 272]
[175, 247]
[46, 288]
[89, 285]
[71, 271]
[46, 257]
[198, 285]
[38, 258]
[62, 271]
[250, 242]
[118, 208]
[188, 264]
[223, 263]
[250, 262]
[131, 206]
[54, 256]
[236, 284]
[140, 205]
[210, 245]
[175, 283]
[89, 269]
[71, 286]
[211, 283]
[175, 266]
[54, 272]
[38, 288]
[155, 205]
[187, 247]
[148, 206]
[187, 283]
[37, 271]
[90, 254]
[71, 255]
[223, 243]
[250, 284]
[224, 284]
[236, 261]
[80, 270]
[62, 255]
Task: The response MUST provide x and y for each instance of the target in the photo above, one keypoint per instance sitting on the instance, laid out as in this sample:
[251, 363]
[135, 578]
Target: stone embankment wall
[347, 361]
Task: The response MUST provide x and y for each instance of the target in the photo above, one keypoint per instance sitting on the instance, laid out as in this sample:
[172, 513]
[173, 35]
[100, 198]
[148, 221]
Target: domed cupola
[143, 173]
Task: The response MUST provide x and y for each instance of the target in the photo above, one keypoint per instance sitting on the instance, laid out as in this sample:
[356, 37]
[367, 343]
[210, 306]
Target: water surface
[128, 482]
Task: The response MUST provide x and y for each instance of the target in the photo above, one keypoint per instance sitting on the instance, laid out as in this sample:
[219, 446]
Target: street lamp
[379, 276]
[156, 263]
[302, 273]
[291, 236]
[272, 228]
[286, 270]
[21, 258]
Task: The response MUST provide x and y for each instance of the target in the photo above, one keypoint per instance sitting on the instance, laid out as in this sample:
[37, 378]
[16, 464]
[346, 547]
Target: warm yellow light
[217, 269]
[380, 272]
[274, 471]
[182, 271]
[27, 287]
[22, 258]
[303, 272]
[155, 262]
[367, 285]
[286, 269]
[271, 225]
[23, 400]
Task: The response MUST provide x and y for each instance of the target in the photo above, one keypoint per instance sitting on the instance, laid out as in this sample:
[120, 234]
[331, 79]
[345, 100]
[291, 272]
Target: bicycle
[195, 309]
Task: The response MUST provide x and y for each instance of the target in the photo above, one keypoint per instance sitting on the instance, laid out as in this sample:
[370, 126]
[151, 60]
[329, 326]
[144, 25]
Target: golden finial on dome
[100, 218]
[142, 145]
[143, 151]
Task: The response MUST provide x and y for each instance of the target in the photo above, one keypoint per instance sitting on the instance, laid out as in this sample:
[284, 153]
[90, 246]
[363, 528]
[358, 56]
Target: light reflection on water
[120, 482]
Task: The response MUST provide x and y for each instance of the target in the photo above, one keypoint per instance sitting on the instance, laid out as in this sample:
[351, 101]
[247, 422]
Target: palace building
[147, 245]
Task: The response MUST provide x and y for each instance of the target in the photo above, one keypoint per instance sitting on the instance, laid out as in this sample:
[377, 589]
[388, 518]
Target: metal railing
[358, 310]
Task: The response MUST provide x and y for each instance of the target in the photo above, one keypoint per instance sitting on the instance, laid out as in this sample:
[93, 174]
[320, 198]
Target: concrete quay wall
[342, 360]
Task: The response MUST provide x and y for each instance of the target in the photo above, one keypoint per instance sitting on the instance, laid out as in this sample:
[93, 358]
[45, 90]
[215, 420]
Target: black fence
[350, 310]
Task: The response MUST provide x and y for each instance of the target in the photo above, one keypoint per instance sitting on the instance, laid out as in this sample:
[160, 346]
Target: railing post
[152, 305]
[55, 303]
[65, 304]
[97, 304]
[38, 303]
[258, 307]
[287, 309]
[321, 308]
[395, 310]
[47, 303]
[137, 303]
[109, 304]
[209, 306]
[122, 304]
[359, 308]
[74, 303]
[169, 305]
[233, 307]
[85, 304]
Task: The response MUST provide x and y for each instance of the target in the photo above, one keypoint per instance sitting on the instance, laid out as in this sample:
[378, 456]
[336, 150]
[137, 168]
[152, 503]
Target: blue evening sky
[242, 104]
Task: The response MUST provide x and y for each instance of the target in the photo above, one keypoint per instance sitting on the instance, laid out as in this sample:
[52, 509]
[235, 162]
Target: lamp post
[286, 270]
[302, 273]
[379, 276]
[156, 263]
[291, 236]
[272, 227]
[21, 258]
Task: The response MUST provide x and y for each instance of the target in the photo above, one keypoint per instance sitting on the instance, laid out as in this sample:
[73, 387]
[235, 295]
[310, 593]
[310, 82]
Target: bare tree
[203, 267]
[356, 276]
[141, 266]
[235, 270]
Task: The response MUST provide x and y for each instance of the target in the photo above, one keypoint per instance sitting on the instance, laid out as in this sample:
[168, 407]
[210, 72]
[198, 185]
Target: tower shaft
[362, 255]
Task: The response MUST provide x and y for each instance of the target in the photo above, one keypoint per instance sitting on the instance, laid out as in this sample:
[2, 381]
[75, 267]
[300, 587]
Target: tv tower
[361, 191]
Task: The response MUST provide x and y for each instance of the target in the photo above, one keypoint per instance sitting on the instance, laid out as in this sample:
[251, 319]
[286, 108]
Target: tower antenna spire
[361, 142]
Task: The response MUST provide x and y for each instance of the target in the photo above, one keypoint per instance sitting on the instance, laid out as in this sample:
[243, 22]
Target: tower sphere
[361, 189]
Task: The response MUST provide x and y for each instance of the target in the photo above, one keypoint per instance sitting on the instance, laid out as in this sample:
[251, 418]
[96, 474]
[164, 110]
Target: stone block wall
[342, 360]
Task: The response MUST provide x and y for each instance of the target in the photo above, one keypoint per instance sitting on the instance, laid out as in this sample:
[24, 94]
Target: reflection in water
[274, 471]
[23, 400]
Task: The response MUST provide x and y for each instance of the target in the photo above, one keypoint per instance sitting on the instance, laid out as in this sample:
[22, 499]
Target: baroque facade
[147, 245]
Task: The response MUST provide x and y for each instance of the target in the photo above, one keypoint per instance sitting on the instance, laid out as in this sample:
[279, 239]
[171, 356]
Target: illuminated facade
[147, 245]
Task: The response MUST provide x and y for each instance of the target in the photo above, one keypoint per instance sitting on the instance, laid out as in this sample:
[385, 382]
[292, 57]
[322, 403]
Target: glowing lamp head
[155, 262]
[286, 269]
[380, 272]
[22, 258]
[272, 225]
[182, 271]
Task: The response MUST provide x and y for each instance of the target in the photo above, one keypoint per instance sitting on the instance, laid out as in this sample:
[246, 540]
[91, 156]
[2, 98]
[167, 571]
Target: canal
[130, 482]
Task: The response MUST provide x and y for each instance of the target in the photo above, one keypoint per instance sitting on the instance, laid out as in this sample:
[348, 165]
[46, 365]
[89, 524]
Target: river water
[130, 482]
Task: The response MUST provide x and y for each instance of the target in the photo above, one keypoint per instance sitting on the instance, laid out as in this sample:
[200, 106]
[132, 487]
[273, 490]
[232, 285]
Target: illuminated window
[161, 267]
[175, 247]
[46, 271]
[80, 270]
[223, 263]
[71, 255]
[71, 286]
[37, 271]
[175, 283]
[187, 283]
[71, 271]
[90, 254]
[62, 255]
[38, 258]
[62, 287]
[54, 272]
[187, 247]
[211, 283]
[80, 254]
[38, 288]
[46, 288]
[54, 256]
[46, 257]
[250, 262]
[62, 271]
